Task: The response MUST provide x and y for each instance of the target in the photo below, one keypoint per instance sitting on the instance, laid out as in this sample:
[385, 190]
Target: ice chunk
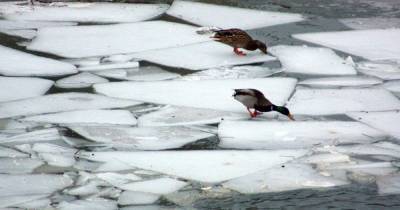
[215, 94]
[86, 117]
[51, 148]
[91, 203]
[371, 23]
[156, 186]
[143, 138]
[385, 121]
[49, 134]
[210, 166]
[60, 102]
[114, 39]
[376, 44]
[389, 184]
[340, 101]
[136, 198]
[228, 17]
[384, 70]
[24, 33]
[236, 72]
[7, 201]
[107, 66]
[17, 24]
[282, 178]
[174, 116]
[60, 160]
[116, 179]
[11, 153]
[146, 73]
[362, 167]
[83, 12]
[362, 149]
[291, 135]
[311, 60]
[18, 165]
[393, 86]
[82, 80]
[325, 158]
[11, 65]
[84, 190]
[13, 185]
[151, 207]
[13, 88]
[358, 81]
[201, 56]
[43, 203]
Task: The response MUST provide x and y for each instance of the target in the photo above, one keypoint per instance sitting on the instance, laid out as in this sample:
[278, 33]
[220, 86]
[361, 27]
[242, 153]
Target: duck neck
[252, 45]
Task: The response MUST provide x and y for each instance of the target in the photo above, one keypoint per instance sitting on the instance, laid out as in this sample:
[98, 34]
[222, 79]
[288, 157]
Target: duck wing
[234, 37]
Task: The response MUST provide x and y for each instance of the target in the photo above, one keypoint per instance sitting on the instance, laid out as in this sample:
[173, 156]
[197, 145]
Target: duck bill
[291, 117]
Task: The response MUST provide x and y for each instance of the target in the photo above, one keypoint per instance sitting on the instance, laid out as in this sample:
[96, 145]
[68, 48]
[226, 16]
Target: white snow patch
[81, 80]
[349, 81]
[155, 186]
[13, 88]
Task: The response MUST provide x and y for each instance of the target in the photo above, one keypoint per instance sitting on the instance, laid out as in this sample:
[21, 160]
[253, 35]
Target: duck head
[285, 111]
[261, 46]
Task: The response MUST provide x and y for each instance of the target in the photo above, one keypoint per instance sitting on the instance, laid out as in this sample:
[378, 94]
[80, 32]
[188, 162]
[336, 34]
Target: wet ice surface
[173, 138]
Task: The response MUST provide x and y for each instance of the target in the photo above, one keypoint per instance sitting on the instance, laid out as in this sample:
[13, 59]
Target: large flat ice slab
[228, 17]
[114, 39]
[32, 65]
[311, 60]
[204, 166]
[202, 56]
[59, 103]
[385, 121]
[82, 12]
[13, 88]
[349, 81]
[212, 94]
[377, 44]
[292, 135]
[143, 138]
[340, 101]
[283, 178]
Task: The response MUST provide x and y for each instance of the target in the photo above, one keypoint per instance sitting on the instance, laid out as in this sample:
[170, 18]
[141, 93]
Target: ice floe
[291, 135]
[43, 203]
[60, 102]
[376, 44]
[225, 164]
[86, 117]
[211, 94]
[23, 33]
[117, 179]
[82, 12]
[349, 81]
[201, 56]
[362, 149]
[386, 121]
[311, 60]
[20, 24]
[11, 153]
[174, 116]
[340, 101]
[229, 17]
[13, 185]
[385, 70]
[13, 88]
[146, 73]
[90, 203]
[107, 66]
[8, 201]
[18, 165]
[155, 186]
[137, 198]
[114, 39]
[84, 190]
[82, 80]
[11, 65]
[389, 184]
[142, 138]
[371, 23]
[283, 178]
[49, 134]
[393, 86]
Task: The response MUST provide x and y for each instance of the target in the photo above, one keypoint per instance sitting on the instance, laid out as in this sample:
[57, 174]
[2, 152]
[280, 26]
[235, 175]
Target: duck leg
[238, 52]
[252, 114]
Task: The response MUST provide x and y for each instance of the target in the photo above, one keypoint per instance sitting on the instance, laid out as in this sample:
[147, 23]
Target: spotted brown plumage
[238, 38]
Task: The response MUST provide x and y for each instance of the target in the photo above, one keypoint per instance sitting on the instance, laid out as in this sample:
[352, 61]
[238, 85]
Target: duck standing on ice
[237, 38]
[255, 99]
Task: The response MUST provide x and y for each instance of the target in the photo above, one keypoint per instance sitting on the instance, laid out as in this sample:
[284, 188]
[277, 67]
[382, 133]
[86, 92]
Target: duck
[238, 38]
[255, 99]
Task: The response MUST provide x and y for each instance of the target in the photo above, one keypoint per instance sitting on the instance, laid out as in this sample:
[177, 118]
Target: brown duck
[239, 39]
[255, 99]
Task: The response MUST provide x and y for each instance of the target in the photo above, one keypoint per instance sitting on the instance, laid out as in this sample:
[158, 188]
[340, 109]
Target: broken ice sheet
[283, 178]
[236, 72]
[137, 198]
[82, 12]
[23, 33]
[229, 17]
[19, 165]
[175, 116]
[13, 88]
[21, 24]
[348, 81]
[385, 121]
[114, 39]
[292, 135]
[201, 56]
[85, 117]
[311, 60]
[374, 44]
[209, 94]
[11, 153]
[385, 70]
[226, 164]
[49, 134]
[393, 86]
[341, 101]
[156, 186]
[371, 23]
[142, 138]
[361, 149]
[81, 80]
[145, 73]
[90, 203]
[60, 102]
[108, 66]
[8, 201]
[11, 65]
